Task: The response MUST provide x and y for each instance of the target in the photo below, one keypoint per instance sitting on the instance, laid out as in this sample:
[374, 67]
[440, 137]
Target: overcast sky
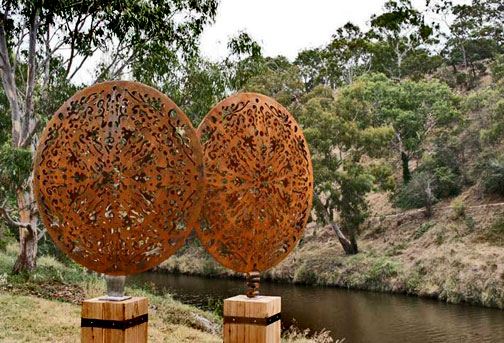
[284, 27]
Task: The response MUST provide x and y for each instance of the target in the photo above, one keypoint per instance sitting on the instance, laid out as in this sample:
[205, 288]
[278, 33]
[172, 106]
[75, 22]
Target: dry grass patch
[29, 319]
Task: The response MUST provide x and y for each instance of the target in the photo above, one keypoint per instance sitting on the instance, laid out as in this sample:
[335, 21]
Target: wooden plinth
[252, 320]
[114, 321]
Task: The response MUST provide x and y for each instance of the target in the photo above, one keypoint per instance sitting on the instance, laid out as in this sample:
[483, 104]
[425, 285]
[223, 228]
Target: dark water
[358, 316]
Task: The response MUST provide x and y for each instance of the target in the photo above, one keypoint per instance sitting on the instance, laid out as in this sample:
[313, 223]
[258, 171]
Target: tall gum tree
[34, 33]
[338, 142]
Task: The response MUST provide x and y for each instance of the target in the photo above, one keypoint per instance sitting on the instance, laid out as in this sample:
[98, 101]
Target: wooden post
[252, 320]
[114, 321]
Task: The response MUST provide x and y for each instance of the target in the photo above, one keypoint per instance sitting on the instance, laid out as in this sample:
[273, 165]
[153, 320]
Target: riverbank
[456, 255]
[45, 307]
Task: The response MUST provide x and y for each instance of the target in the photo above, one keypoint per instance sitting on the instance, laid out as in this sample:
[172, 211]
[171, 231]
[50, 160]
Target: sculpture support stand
[106, 321]
[115, 318]
[254, 319]
[115, 288]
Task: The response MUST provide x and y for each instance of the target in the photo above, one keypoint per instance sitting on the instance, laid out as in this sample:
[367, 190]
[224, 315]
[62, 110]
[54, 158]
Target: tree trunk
[349, 246]
[405, 167]
[28, 240]
[353, 241]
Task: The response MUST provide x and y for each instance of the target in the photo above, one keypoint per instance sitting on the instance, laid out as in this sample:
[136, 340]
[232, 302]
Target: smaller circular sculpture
[259, 183]
[118, 177]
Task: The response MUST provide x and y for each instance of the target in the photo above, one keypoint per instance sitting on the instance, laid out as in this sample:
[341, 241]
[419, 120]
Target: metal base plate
[111, 298]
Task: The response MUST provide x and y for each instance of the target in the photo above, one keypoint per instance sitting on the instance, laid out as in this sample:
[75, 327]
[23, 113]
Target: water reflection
[360, 317]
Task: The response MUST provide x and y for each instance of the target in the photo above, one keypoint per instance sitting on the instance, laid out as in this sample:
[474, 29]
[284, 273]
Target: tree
[474, 32]
[347, 55]
[414, 110]
[195, 84]
[337, 144]
[245, 60]
[312, 67]
[397, 32]
[279, 79]
[32, 36]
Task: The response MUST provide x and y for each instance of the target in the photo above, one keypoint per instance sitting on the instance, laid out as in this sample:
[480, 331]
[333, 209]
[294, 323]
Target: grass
[45, 307]
[424, 228]
[495, 232]
[442, 258]
[32, 319]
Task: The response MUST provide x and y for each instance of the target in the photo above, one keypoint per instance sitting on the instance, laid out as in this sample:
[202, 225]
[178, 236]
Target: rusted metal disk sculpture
[119, 177]
[259, 184]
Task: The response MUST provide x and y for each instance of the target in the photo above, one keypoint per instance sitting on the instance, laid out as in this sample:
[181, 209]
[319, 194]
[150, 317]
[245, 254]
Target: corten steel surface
[259, 184]
[119, 177]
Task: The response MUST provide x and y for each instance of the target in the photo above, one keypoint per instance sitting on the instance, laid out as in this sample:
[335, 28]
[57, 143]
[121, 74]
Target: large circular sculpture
[119, 177]
[259, 182]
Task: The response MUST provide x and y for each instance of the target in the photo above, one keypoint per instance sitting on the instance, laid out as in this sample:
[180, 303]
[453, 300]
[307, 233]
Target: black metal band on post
[252, 321]
[114, 324]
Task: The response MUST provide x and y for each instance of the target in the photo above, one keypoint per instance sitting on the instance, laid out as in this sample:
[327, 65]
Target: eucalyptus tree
[194, 83]
[312, 67]
[337, 144]
[37, 35]
[472, 31]
[415, 110]
[396, 33]
[348, 55]
[245, 60]
[279, 79]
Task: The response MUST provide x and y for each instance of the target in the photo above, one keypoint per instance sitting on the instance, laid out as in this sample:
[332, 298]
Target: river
[357, 316]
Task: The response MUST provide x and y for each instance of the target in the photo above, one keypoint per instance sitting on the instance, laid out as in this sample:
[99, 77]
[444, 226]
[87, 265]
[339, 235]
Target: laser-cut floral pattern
[259, 182]
[119, 177]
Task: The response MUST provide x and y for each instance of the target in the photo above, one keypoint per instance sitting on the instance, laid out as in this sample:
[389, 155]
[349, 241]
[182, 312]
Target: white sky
[284, 27]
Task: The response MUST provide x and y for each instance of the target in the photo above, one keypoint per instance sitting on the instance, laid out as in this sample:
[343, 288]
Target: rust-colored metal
[259, 182]
[253, 281]
[119, 177]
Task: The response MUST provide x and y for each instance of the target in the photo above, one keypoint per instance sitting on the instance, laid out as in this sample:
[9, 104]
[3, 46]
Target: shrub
[497, 68]
[381, 270]
[305, 275]
[424, 228]
[491, 171]
[470, 222]
[209, 269]
[419, 192]
[295, 335]
[458, 207]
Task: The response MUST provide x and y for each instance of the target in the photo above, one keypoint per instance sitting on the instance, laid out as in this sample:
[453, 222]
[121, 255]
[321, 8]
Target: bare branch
[11, 221]
[81, 64]
[41, 234]
[22, 35]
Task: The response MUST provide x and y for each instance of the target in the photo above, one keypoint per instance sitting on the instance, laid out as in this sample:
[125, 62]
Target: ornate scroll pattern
[259, 182]
[119, 177]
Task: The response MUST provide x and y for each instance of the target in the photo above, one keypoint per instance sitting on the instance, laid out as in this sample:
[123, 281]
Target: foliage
[381, 269]
[244, 61]
[400, 32]
[337, 143]
[295, 335]
[445, 166]
[497, 68]
[279, 79]
[195, 84]
[414, 110]
[424, 228]
[459, 208]
[15, 167]
[491, 170]
[419, 192]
